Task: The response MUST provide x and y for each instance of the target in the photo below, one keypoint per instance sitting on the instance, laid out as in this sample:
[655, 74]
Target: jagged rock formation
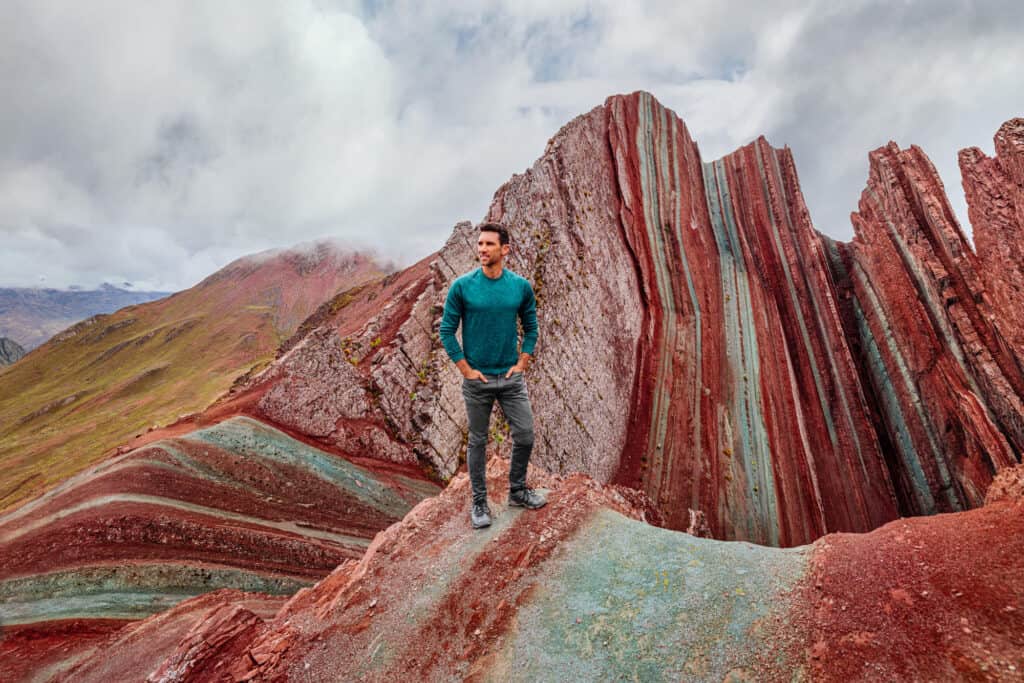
[703, 343]
[10, 351]
[995, 201]
[582, 589]
[706, 356]
[946, 386]
[237, 505]
[690, 342]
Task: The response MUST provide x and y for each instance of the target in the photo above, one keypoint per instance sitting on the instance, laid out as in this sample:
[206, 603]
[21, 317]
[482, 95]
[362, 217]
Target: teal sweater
[488, 310]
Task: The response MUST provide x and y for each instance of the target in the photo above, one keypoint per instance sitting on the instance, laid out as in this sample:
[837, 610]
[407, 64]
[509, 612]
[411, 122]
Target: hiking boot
[526, 498]
[480, 515]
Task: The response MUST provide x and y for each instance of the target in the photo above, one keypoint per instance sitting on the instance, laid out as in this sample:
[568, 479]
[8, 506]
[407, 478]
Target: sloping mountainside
[10, 351]
[100, 382]
[584, 590]
[31, 315]
[704, 354]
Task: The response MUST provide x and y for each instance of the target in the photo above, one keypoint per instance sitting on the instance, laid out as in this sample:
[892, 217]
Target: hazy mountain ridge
[31, 315]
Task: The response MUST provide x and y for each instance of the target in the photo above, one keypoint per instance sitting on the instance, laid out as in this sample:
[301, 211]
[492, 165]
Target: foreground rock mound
[583, 589]
[238, 505]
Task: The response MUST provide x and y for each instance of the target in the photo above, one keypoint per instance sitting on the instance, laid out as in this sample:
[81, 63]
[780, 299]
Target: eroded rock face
[689, 346]
[995, 203]
[946, 387]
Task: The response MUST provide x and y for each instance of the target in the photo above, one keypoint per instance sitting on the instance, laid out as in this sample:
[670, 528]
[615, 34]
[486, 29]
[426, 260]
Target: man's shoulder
[464, 278]
[517, 278]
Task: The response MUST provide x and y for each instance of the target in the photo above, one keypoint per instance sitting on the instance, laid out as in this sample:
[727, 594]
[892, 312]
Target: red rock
[702, 348]
[946, 390]
[685, 311]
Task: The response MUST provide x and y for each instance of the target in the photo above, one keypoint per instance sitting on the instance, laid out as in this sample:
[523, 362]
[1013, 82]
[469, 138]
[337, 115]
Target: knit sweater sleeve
[528, 316]
[453, 310]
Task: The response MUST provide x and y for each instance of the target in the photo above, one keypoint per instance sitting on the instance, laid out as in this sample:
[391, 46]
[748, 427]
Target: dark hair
[498, 228]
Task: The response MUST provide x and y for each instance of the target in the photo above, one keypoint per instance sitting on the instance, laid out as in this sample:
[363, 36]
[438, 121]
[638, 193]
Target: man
[487, 301]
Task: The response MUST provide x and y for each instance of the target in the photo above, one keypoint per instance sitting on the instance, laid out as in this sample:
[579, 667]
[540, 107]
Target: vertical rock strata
[690, 345]
[995, 202]
[747, 401]
[946, 386]
[700, 341]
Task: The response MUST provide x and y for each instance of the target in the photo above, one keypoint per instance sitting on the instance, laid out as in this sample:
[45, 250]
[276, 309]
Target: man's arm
[528, 317]
[453, 309]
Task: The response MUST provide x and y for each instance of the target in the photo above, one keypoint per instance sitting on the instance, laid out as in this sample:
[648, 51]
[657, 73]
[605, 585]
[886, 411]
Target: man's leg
[515, 403]
[479, 403]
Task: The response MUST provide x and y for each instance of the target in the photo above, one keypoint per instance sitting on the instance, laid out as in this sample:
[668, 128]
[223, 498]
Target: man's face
[489, 248]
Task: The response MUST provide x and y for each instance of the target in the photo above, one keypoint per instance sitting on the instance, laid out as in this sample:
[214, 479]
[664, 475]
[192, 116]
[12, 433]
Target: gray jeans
[515, 403]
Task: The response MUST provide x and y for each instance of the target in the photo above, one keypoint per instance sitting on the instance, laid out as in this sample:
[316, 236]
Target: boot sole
[514, 504]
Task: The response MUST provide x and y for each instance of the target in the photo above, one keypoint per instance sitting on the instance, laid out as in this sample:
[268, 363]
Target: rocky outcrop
[690, 343]
[995, 203]
[10, 351]
[584, 589]
[946, 387]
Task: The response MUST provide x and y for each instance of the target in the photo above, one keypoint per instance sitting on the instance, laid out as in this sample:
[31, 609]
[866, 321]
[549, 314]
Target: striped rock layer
[995, 204]
[690, 341]
[935, 351]
[584, 590]
[239, 505]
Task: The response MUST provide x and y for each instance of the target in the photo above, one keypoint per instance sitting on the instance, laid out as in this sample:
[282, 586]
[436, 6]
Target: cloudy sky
[153, 142]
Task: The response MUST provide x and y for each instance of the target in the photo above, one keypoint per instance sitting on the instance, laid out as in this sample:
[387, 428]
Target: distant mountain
[10, 351]
[102, 381]
[32, 315]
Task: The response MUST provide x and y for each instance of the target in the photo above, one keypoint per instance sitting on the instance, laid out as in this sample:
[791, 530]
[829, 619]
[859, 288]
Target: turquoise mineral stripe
[125, 591]
[941, 326]
[698, 362]
[911, 460]
[652, 218]
[893, 413]
[252, 438]
[882, 383]
[742, 354]
[935, 313]
[752, 400]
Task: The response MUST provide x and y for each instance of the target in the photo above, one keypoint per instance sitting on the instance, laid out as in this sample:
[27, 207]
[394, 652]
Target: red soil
[926, 598]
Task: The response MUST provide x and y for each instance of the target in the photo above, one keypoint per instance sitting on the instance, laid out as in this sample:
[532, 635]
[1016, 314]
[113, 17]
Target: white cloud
[182, 135]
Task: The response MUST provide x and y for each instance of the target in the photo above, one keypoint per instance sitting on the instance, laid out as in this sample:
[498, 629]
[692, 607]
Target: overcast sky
[153, 142]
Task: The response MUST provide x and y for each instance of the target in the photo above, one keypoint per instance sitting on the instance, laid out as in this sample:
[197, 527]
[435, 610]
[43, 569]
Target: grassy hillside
[104, 380]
